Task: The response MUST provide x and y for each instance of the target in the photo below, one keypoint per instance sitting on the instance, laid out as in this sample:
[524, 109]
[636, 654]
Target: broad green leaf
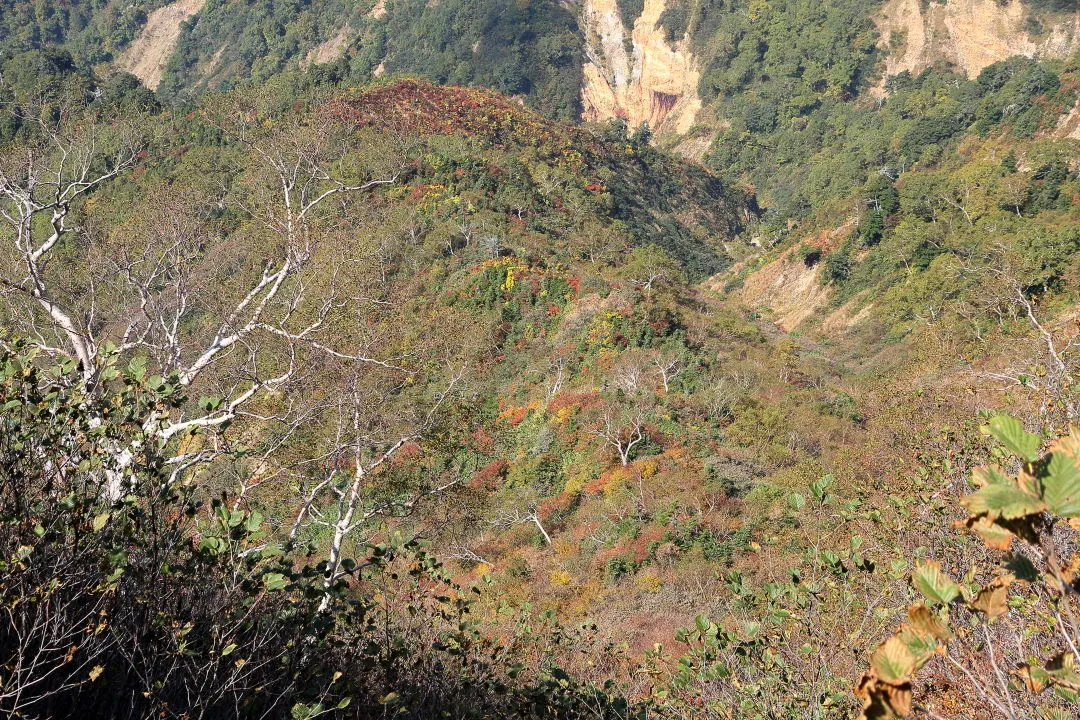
[1010, 433]
[228, 649]
[254, 521]
[934, 584]
[1006, 501]
[1035, 678]
[1054, 714]
[1062, 671]
[922, 647]
[274, 581]
[893, 661]
[213, 545]
[137, 367]
[1061, 478]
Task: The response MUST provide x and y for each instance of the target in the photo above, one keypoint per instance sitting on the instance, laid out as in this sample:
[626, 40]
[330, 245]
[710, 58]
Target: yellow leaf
[924, 621]
[993, 599]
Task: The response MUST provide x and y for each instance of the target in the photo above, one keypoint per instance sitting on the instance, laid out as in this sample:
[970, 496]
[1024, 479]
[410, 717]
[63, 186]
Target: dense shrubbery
[92, 30]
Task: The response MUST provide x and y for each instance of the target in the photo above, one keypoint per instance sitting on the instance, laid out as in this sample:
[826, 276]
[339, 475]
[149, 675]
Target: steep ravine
[643, 80]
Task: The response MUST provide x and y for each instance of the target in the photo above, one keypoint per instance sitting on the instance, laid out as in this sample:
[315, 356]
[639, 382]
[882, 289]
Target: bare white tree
[622, 428]
[513, 517]
[669, 363]
[40, 183]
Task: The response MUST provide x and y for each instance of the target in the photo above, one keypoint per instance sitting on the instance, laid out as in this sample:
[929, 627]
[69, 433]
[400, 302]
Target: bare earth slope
[969, 33]
[147, 56]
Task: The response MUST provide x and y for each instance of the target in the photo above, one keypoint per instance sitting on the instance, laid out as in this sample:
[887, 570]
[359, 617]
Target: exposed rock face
[1069, 124]
[970, 33]
[644, 80]
[147, 56]
[331, 49]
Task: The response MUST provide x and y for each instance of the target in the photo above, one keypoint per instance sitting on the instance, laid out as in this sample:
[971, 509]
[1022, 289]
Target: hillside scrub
[331, 397]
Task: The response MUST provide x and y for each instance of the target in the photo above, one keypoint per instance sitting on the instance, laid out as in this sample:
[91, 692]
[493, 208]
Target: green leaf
[212, 545]
[893, 661]
[1010, 433]
[983, 476]
[1062, 671]
[1061, 485]
[137, 367]
[934, 584]
[228, 649]
[254, 521]
[275, 581]
[1006, 501]
[100, 520]
[922, 647]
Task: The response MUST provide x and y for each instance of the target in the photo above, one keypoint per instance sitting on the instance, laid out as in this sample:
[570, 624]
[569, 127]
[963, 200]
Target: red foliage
[406, 453]
[639, 548]
[417, 107]
[490, 476]
[557, 504]
[516, 415]
[584, 401]
[482, 441]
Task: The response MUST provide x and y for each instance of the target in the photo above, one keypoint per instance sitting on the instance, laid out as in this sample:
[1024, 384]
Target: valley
[601, 359]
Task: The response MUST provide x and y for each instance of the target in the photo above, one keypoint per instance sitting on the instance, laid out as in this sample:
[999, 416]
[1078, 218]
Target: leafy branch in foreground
[165, 603]
[985, 633]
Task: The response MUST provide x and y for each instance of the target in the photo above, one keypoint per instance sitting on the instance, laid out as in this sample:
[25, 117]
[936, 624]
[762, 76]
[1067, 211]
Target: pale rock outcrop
[331, 49]
[645, 80]
[970, 33]
[147, 56]
[1069, 124]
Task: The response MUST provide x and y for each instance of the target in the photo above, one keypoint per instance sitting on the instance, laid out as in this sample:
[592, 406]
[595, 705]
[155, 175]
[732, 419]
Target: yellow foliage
[617, 480]
[575, 483]
[649, 582]
[560, 577]
[648, 468]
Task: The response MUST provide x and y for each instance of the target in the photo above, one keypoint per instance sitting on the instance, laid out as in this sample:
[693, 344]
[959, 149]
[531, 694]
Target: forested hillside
[346, 373]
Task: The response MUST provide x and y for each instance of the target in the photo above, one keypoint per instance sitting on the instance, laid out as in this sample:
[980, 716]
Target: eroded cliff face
[147, 56]
[642, 78]
[970, 33]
